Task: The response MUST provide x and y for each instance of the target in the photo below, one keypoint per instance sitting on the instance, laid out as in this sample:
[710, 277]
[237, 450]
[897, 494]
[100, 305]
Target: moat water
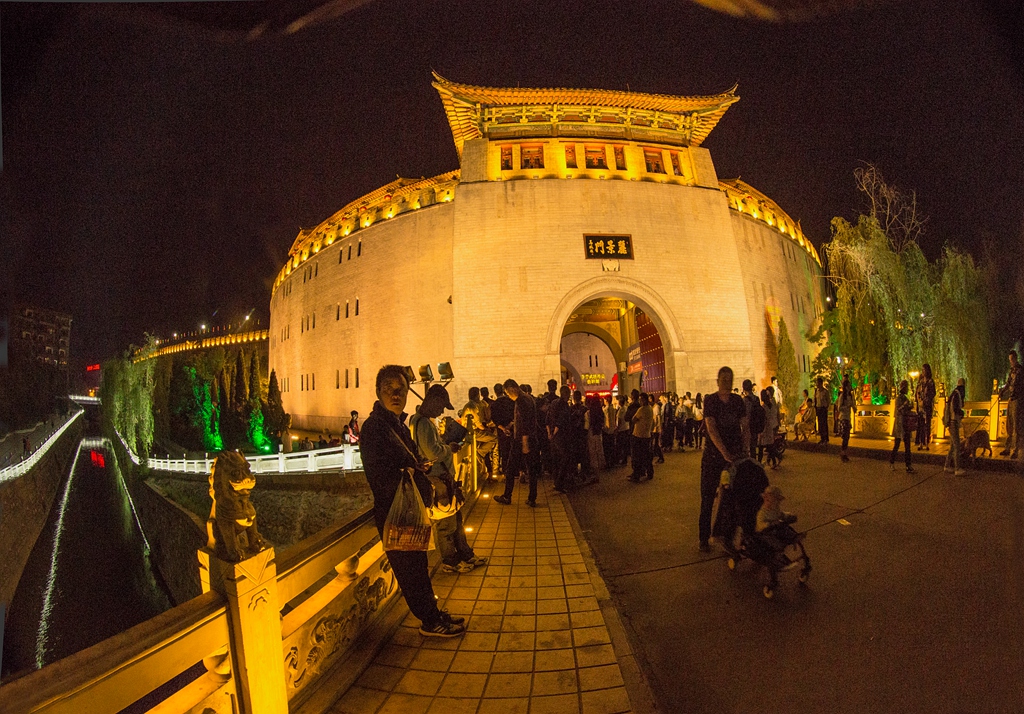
[89, 576]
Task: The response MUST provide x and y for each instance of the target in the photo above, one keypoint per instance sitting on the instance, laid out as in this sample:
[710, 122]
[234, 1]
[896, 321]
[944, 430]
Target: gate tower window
[596, 158]
[570, 156]
[655, 165]
[620, 158]
[532, 157]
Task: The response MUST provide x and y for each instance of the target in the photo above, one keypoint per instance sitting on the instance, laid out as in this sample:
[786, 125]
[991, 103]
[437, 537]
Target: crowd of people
[560, 433]
[571, 438]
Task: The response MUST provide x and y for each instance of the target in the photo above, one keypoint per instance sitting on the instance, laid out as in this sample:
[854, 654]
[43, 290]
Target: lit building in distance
[575, 212]
[40, 336]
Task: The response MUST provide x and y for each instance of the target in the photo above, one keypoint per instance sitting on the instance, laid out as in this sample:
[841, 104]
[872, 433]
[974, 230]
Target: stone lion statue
[231, 528]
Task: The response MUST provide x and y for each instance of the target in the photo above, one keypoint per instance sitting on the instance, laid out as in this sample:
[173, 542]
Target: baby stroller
[777, 548]
[780, 444]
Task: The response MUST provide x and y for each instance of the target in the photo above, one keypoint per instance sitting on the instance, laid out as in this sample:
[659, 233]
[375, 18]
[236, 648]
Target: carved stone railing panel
[320, 633]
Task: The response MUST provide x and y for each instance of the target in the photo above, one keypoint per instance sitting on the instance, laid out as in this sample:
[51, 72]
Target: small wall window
[357, 378]
[313, 380]
[337, 379]
[596, 158]
[570, 156]
[357, 306]
[532, 157]
[359, 249]
[675, 163]
[341, 255]
[314, 320]
[654, 162]
[620, 157]
[346, 379]
[506, 158]
[316, 269]
[337, 316]
[346, 308]
[350, 252]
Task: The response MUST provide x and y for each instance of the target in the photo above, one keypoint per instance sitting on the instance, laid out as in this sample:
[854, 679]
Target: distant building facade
[39, 336]
[574, 211]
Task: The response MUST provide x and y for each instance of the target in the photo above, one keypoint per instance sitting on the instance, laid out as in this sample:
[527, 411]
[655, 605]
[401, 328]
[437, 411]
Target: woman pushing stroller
[748, 505]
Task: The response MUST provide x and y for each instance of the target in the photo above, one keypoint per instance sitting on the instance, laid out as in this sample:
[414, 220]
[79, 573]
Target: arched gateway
[580, 221]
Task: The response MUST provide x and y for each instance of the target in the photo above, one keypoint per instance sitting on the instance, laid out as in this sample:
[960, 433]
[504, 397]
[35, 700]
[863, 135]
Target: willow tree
[962, 330]
[894, 310]
[126, 393]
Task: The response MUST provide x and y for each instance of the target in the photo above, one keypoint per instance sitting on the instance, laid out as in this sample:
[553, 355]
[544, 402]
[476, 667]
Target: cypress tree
[275, 416]
[241, 393]
[255, 378]
[789, 372]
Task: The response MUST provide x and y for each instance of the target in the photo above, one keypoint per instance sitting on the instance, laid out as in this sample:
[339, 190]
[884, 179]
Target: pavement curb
[641, 698]
[918, 457]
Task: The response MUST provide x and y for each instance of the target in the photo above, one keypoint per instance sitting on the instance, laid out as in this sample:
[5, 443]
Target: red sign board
[93, 368]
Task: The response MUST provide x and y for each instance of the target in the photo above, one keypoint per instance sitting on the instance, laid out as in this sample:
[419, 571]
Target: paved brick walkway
[537, 641]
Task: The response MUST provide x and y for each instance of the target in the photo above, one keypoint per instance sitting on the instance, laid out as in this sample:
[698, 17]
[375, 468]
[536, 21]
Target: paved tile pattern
[536, 640]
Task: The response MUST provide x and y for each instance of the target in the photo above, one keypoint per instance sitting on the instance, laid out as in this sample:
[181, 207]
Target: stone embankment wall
[25, 504]
[175, 536]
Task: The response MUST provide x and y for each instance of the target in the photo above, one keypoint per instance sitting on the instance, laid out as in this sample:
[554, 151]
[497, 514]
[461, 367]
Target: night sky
[157, 169]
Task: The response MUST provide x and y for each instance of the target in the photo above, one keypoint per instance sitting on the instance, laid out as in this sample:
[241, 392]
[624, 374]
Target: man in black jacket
[502, 413]
[388, 452]
[559, 428]
[523, 455]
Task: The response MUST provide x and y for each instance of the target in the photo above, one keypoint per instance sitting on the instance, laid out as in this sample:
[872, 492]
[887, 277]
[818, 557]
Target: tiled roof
[463, 103]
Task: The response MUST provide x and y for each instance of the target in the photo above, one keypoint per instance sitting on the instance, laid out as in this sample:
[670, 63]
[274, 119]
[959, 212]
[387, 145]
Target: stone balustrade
[275, 633]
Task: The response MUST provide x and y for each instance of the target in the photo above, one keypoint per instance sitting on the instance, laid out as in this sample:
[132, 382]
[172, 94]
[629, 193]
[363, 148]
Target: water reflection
[89, 576]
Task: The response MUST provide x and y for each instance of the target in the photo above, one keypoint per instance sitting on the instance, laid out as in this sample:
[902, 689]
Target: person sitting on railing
[388, 451]
[350, 434]
[805, 418]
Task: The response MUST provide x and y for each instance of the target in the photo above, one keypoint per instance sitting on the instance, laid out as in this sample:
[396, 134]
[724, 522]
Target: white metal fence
[338, 458]
[15, 470]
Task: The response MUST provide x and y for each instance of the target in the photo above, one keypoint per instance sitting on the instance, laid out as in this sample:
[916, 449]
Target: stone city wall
[403, 282]
[780, 280]
[510, 256]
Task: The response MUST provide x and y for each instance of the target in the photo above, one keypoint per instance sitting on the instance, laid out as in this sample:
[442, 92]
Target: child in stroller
[749, 507]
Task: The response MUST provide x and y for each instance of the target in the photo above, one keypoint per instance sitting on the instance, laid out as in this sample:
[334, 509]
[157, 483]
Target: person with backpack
[755, 415]
[903, 426]
[845, 404]
[952, 416]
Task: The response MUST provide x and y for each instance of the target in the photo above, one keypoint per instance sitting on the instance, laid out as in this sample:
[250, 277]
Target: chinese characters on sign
[604, 247]
[635, 361]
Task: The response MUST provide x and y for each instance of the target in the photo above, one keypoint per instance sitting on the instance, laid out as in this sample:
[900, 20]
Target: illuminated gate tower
[582, 222]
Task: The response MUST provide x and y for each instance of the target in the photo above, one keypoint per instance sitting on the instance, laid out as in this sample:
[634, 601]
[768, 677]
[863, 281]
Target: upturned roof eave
[462, 103]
